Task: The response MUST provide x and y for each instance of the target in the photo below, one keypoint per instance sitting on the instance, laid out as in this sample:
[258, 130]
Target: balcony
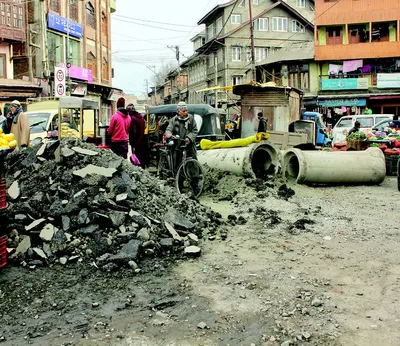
[370, 50]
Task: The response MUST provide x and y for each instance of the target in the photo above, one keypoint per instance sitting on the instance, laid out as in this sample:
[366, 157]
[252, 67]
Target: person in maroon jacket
[119, 130]
[136, 134]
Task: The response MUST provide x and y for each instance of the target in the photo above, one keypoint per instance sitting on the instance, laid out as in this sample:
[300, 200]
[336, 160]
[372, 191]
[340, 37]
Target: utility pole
[152, 68]
[146, 83]
[253, 67]
[67, 60]
[216, 79]
[177, 53]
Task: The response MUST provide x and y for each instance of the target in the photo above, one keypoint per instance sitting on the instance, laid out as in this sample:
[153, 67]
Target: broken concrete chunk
[84, 151]
[192, 251]
[47, 233]
[34, 224]
[121, 197]
[92, 169]
[24, 245]
[172, 231]
[41, 150]
[39, 252]
[193, 238]
[63, 260]
[143, 234]
[13, 190]
[67, 152]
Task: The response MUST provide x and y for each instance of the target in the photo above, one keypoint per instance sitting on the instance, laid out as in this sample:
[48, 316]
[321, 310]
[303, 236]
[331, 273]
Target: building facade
[223, 53]
[84, 50]
[13, 54]
[357, 45]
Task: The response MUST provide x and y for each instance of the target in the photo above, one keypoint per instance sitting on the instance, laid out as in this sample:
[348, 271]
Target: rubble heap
[71, 201]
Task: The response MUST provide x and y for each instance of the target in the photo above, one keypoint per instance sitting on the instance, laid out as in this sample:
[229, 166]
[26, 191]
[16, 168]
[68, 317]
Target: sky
[143, 30]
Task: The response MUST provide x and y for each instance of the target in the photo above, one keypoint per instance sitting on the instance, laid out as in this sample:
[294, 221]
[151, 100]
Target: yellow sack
[206, 144]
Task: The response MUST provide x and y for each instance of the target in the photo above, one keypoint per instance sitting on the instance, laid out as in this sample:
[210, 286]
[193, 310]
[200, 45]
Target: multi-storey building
[85, 49]
[223, 52]
[13, 54]
[357, 44]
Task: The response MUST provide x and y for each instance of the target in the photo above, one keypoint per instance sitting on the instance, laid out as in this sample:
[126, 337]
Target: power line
[150, 26]
[151, 21]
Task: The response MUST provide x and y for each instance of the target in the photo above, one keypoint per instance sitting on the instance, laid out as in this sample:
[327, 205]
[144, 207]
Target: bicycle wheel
[163, 167]
[189, 179]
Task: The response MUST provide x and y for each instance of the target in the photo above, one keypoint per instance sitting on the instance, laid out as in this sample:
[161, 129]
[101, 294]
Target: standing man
[184, 125]
[356, 128]
[119, 130]
[262, 123]
[20, 125]
[136, 134]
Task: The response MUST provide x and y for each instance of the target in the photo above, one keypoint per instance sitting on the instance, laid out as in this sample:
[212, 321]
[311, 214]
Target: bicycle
[188, 175]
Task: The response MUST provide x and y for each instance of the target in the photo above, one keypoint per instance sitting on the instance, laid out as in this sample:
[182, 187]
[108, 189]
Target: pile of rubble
[71, 201]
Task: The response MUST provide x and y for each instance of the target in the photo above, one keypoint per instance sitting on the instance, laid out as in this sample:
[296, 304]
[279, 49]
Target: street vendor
[20, 125]
[356, 128]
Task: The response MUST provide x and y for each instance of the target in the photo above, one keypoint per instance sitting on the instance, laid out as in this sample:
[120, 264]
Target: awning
[385, 97]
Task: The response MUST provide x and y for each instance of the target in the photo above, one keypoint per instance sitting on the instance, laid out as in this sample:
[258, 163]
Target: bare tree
[165, 69]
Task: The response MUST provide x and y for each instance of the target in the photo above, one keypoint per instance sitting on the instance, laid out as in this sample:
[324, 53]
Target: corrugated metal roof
[294, 51]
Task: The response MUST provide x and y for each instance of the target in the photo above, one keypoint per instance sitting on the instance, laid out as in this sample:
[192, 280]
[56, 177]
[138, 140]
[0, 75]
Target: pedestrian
[119, 130]
[184, 125]
[356, 128]
[3, 123]
[262, 123]
[19, 125]
[367, 111]
[136, 135]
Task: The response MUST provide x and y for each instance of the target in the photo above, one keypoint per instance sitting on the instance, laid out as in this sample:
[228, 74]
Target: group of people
[17, 123]
[127, 128]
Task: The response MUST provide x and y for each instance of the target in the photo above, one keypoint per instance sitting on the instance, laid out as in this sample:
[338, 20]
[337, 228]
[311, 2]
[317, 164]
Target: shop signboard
[353, 102]
[344, 84]
[80, 73]
[388, 80]
[58, 23]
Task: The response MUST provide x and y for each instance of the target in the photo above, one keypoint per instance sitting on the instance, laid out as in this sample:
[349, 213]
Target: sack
[134, 160]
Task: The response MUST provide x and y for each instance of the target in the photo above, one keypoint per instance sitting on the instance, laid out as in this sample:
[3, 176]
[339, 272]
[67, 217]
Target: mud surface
[320, 267]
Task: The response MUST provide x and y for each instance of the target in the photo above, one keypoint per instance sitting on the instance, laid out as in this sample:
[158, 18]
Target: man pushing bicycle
[183, 126]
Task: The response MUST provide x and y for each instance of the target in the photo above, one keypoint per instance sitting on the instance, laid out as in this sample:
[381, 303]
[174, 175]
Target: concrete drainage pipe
[256, 160]
[336, 167]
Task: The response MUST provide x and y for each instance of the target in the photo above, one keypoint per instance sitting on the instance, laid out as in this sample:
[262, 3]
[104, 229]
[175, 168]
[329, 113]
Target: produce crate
[391, 164]
[3, 251]
[3, 193]
[358, 145]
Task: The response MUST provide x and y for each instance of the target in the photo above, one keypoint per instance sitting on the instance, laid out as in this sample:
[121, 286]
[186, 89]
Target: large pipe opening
[263, 162]
[292, 166]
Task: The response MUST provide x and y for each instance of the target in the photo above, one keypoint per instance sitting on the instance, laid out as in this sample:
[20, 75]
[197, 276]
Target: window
[73, 11]
[280, 24]
[242, 3]
[237, 80]
[55, 5]
[236, 53]
[299, 77]
[261, 24]
[15, 16]
[218, 26]
[8, 8]
[104, 24]
[3, 13]
[105, 70]
[334, 35]
[210, 60]
[20, 18]
[3, 70]
[90, 15]
[301, 3]
[260, 53]
[54, 52]
[74, 52]
[220, 56]
[297, 26]
[236, 19]
[91, 64]
[210, 31]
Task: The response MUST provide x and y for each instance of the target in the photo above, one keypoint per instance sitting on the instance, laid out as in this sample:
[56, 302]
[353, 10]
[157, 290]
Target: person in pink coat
[119, 130]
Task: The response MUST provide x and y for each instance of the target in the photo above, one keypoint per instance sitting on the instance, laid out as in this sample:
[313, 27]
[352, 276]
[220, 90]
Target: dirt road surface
[321, 268]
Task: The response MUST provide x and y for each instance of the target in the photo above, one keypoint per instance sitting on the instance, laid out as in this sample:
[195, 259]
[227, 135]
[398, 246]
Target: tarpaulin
[352, 65]
[206, 144]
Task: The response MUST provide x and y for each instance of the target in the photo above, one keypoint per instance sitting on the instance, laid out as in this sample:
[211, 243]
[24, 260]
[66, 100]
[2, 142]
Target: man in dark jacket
[356, 128]
[184, 125]
[262, 124]
[136, 134]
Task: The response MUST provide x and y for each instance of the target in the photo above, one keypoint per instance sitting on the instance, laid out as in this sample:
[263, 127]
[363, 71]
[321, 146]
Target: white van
[345, 124]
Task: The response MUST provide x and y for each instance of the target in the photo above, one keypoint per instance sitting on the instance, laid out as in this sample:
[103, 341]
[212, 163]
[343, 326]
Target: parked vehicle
[384, 125]
[345, 124]
[42, 122]
[312, 124]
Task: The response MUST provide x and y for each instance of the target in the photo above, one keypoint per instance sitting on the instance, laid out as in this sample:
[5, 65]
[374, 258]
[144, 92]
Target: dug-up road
[320, 268]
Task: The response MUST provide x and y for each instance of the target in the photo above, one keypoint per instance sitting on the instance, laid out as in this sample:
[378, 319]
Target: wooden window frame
[55, 5]
[4, 57]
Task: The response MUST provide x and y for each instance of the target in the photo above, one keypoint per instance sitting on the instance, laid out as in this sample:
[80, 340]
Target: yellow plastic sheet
[206, 144]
